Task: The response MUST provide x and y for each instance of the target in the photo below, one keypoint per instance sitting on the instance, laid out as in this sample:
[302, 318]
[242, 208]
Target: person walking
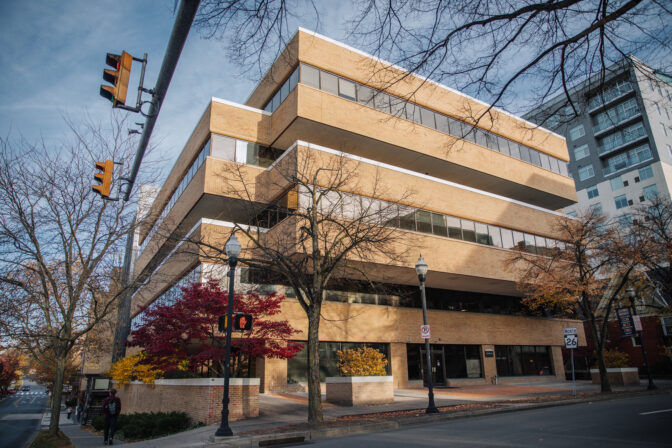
[69, 411]
[111, 410]
[78, 413]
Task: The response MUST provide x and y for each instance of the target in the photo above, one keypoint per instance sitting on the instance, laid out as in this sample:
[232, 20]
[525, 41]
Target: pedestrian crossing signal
[242, 322]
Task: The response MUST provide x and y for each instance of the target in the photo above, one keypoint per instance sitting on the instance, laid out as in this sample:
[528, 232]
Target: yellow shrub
[615, 358]
[130, 368]
[365, 361]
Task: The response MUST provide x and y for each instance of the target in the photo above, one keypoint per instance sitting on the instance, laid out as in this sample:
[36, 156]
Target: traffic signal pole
[181, 27]
[178, 36]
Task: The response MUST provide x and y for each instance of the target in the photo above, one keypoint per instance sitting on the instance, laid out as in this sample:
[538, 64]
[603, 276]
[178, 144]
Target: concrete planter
[618, 376]
[201, 398]
[360, 390]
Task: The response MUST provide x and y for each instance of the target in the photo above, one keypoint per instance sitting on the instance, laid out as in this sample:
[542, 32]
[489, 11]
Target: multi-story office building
[620, 140]
[479, 193]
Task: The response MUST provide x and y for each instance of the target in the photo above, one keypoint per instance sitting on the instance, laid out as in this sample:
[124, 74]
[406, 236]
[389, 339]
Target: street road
[20, 416]
[634, 422]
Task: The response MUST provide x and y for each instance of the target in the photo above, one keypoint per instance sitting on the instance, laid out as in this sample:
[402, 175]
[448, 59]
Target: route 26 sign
[571, 338]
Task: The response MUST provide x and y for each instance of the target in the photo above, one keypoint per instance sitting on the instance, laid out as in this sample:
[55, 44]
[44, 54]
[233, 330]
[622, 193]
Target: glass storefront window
[297, 367]
[450, 361]
[523, 360]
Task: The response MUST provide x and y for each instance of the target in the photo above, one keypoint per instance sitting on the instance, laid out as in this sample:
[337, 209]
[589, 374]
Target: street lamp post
[232, 249]
[632, 295]
[421, 269]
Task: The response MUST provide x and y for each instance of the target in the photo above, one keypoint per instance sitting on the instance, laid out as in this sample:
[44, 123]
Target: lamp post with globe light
[232, 249]
[421, 268]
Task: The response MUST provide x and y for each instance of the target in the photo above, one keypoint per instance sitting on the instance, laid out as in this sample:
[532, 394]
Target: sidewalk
[284, 415]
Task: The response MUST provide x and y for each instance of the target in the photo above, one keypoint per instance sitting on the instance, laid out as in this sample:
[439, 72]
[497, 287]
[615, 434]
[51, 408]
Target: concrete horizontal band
[208, 382]
[617, 369]
[359, 379]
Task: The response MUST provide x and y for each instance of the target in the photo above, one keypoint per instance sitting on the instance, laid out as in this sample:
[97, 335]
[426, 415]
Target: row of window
[618, 162]
[621, 137]
[523, 360]
[399, 107]
[191, 172]
[475, 232]
[171, 294]
[297, 367]
[648, 193]
[627, 159]
[241, 151]
[221, 147]
[448, 361]
[610, 93]
[615, 115]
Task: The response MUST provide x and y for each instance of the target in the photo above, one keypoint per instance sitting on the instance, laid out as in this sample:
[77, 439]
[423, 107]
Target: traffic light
[242, 322]
[104, 177]
[118, 78]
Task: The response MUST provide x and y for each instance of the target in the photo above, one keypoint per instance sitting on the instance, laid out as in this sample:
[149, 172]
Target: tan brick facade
[200, 398]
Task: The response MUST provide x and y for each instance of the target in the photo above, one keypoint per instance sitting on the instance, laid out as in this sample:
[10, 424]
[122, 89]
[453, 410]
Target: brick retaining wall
[201, 398]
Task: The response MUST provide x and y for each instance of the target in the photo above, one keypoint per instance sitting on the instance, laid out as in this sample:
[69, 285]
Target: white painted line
[655, 412]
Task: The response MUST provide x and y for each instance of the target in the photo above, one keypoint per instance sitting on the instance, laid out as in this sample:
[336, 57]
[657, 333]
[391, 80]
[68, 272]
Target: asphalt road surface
[20, 416]
[634, 422]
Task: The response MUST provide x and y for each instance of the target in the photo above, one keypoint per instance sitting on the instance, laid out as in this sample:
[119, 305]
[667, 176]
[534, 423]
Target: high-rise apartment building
[620, 144]
[478, 193]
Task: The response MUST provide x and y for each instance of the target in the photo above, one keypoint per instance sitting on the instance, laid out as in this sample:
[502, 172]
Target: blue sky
[53, 56]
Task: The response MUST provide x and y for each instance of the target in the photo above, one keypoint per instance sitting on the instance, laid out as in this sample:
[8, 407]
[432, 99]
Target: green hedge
[147, 425]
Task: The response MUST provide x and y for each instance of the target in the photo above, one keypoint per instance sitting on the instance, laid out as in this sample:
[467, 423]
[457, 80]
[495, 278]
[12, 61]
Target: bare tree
[651, 241]
[583, 275]
[502, 51]
[311, 220]
[255, 32]
[58, 243]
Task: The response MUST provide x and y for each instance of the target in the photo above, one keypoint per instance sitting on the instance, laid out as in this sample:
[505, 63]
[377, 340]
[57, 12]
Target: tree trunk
[314, 393]
[598, 344]
[56, 393]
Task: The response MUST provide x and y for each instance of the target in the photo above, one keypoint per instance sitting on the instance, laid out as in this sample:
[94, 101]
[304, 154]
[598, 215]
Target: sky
[53, 56]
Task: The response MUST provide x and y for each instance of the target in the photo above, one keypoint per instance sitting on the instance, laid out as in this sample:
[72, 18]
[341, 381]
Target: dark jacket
[106, 411]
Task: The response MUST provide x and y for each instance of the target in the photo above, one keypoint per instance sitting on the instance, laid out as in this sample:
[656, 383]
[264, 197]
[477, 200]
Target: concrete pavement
[284, 415]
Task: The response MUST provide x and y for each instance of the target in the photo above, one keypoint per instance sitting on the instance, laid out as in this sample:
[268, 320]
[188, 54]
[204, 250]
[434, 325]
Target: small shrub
[179, 374]
[135, 367]
[364, 361]
[146, 425]
[98, 422]
[614, 359]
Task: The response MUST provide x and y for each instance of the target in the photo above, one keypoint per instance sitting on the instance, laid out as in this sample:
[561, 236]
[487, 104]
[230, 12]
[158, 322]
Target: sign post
[424, 332]
[572, 342]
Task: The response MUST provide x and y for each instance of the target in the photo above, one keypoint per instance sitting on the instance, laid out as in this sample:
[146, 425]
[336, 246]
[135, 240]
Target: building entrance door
[438, 363]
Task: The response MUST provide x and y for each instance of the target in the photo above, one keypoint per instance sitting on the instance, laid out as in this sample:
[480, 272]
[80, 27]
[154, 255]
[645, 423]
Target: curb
[315, 434]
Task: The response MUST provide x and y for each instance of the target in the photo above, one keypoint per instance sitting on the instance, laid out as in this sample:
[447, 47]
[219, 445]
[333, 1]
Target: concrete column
[399, 364]
[272, 374]
[558, 362]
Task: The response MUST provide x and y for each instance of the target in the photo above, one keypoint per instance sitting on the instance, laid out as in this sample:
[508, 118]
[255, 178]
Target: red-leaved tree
[188, 330]
[10, 363]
